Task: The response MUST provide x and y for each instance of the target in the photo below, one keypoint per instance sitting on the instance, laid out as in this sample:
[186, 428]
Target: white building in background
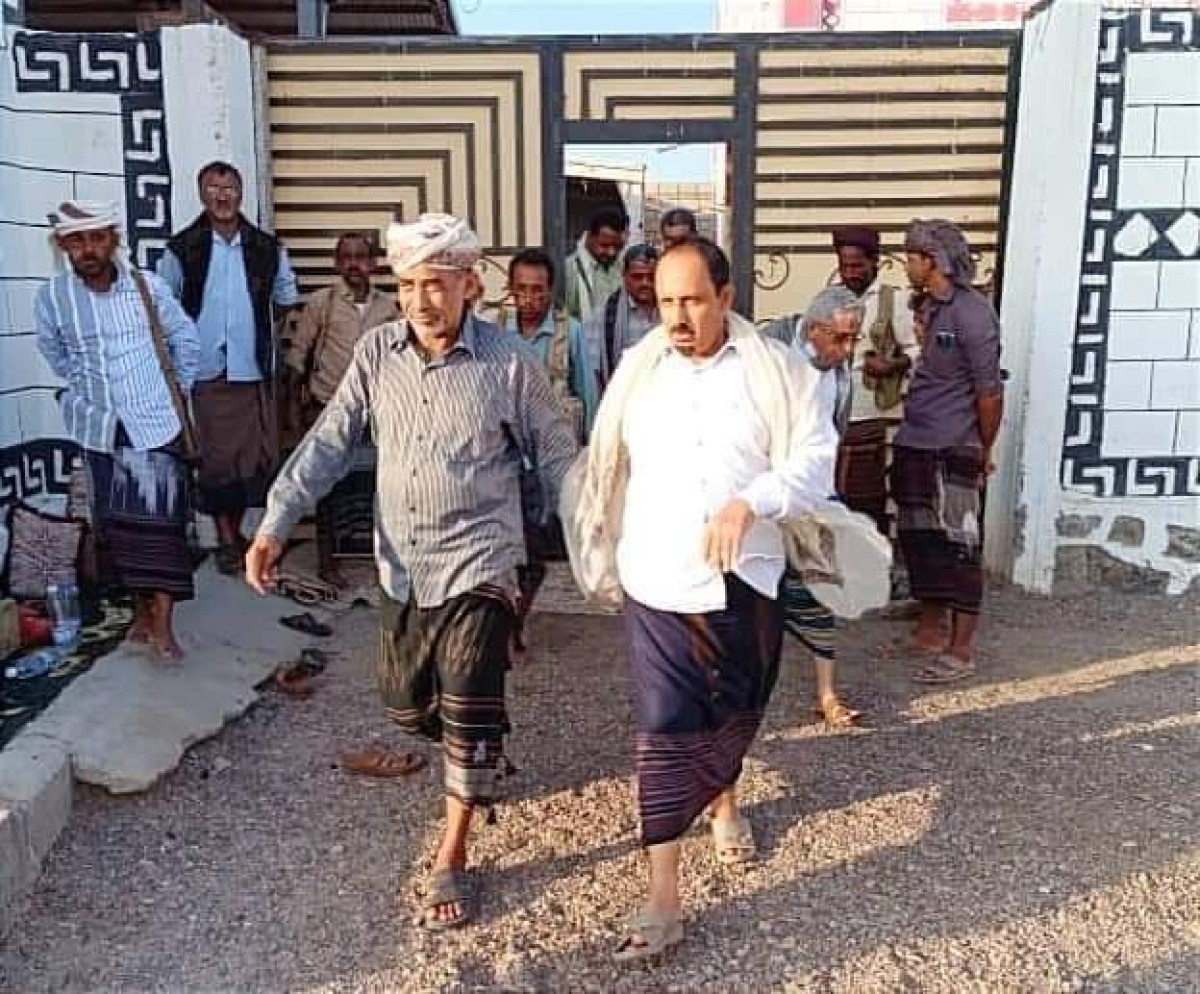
[868, 15]
[765, 16]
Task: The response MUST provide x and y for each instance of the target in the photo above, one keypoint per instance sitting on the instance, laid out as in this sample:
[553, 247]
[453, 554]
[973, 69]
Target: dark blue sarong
[702, 683]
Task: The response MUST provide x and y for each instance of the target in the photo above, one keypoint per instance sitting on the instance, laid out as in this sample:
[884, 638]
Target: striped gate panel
[874, 135]
[359, 139]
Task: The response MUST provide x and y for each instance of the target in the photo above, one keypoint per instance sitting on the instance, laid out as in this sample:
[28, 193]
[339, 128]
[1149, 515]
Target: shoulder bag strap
[318, 348]
[610, 331]
[190, 443]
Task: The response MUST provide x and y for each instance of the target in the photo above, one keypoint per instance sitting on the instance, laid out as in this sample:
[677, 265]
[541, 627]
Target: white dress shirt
[696, 440]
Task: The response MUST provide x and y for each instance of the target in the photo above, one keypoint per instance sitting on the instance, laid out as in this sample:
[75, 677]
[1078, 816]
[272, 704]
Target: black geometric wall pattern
[40, 468]
[1125, 231]
[128, 66]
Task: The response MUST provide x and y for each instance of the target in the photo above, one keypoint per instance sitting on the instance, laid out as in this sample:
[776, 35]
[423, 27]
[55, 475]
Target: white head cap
[440, 240]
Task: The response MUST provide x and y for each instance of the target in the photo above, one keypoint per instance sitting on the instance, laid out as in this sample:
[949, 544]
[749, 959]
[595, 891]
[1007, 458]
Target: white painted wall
[1041, 286]
[209, 91]
[55, 146]
[1125, 353]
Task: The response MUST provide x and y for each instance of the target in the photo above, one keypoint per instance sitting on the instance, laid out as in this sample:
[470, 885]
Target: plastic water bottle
[34, 665]
[63, 601]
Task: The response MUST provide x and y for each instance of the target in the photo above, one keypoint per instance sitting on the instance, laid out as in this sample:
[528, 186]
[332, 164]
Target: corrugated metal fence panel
[358, 139]
[874, 135]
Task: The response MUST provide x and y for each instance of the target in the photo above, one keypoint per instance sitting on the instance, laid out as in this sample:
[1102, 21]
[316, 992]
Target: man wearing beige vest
[327, 331]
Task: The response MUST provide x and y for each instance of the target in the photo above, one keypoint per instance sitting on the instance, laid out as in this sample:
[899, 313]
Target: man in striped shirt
[95, 331]
[456, 405]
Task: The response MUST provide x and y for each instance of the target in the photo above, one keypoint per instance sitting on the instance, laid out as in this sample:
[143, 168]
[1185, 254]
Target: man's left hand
[723, 539]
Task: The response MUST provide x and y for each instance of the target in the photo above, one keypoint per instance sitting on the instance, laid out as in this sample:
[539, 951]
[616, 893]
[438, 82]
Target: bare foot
[835, 714]
[167, 650]
[138, 636]
[930, 635]
[926, 644]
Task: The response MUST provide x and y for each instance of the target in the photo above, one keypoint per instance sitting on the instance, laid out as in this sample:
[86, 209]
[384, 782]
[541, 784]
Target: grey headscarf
[946, 245]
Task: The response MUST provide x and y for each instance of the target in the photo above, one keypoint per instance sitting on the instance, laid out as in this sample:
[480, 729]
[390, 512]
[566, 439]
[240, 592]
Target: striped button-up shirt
[453, 433]
[102, 346]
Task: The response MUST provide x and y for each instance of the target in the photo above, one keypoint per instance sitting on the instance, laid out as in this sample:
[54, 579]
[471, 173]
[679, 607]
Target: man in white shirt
[825, 338]
[700, 559]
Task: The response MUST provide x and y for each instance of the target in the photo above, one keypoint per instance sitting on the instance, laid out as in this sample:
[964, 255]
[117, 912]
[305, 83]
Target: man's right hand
[262, 563]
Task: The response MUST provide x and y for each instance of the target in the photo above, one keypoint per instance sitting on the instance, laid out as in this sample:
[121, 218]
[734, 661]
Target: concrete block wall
[1102, 305]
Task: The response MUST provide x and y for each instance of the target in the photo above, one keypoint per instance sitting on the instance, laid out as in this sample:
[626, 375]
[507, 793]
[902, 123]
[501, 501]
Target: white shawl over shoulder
[842, 557]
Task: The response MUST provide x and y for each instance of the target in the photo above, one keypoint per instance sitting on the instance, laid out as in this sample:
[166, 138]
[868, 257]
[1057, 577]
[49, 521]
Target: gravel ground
[1034, 830]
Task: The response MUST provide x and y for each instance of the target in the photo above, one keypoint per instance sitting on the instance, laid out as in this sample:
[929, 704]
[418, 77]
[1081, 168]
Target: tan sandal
[649, 934]
[733, 841]
[944, 669]
[442, 888]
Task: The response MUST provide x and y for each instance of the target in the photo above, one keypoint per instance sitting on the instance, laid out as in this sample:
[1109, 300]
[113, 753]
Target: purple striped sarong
[140, 509]
[702, 682]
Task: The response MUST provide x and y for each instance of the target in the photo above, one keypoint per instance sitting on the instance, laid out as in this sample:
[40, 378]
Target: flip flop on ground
[306, 624]
[293, 680]
[836, 715]
[649, 934]
[944, 669]
[377, 760]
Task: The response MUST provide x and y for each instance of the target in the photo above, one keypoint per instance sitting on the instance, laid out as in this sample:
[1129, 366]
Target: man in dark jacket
[230, 276]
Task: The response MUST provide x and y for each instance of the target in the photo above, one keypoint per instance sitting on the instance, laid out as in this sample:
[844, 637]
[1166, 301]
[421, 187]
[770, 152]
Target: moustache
[681, 329]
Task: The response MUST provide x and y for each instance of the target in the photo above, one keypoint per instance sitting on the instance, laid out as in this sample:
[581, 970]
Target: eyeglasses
[844, 338]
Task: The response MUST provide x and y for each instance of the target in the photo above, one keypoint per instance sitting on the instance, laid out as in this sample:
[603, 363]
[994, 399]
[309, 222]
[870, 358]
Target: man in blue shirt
[557, 340]
[230, 277]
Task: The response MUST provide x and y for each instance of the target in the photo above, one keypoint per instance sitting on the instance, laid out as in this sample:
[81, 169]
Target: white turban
[85, 215]
[439, 240]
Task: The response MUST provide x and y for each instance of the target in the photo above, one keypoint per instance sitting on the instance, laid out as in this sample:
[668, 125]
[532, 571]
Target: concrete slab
[35, 803]
[127, 721]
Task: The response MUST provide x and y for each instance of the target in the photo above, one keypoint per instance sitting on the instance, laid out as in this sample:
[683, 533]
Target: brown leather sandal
[377, 760]
[293, 680]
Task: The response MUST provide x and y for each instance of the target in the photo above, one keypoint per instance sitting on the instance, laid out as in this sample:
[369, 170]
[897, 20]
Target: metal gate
[821, 129]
